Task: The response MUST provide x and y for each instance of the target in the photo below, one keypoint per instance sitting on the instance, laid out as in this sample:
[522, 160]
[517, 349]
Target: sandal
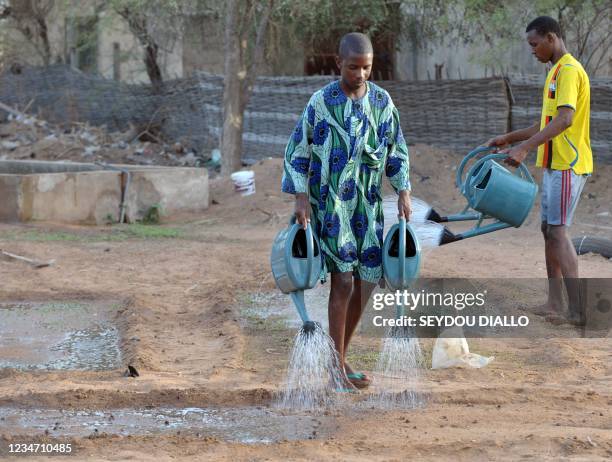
[359, 379]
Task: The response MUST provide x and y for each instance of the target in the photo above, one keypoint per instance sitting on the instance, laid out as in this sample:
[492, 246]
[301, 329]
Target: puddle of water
[265, 305]
[244, 425]
[59, 335]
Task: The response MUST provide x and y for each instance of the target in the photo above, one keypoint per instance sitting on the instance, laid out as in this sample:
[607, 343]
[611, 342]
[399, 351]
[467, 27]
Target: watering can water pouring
[296, 265]
[492, 192]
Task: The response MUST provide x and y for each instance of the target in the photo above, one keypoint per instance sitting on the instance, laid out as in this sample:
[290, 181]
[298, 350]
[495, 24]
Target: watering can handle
[309, 252]
[402, 250]
[474, 153]
[309, 247]
[524, 170]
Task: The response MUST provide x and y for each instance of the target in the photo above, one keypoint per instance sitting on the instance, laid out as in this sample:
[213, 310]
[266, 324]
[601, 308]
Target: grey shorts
[561, 191]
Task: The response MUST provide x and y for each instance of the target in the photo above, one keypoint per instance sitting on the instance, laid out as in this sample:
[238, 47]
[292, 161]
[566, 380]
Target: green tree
[314, 22]
[247, 26]
[156, 24]
[30, 19]
[586, 24]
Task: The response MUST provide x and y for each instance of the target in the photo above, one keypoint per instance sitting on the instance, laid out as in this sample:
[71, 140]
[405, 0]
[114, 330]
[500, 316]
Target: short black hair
[543, 25]
[355, 43]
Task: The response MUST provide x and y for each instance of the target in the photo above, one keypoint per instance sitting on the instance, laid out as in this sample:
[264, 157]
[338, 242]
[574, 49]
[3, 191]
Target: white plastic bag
[455, 352]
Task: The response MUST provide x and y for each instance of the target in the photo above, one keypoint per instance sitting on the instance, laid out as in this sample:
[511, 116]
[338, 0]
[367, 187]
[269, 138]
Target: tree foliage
[315, 21]
[30, 19]
[500, 24]
[156, 24]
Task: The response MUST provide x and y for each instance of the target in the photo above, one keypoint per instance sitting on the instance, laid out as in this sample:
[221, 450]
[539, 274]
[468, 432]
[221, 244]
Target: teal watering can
[401, 264]
[401, 256]
[296, 265]
[492, 192]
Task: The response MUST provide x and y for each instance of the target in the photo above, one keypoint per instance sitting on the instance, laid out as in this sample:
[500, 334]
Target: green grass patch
[270, 325]
[142, 231]
[113, 233]
[361, 357]
[35, 235]
[153, 215]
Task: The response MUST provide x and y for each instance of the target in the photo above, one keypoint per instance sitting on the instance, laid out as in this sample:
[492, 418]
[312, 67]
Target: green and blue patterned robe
[337, 154]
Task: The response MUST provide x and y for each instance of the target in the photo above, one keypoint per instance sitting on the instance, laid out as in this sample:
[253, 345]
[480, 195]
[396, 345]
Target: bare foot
[556, 319]
[575, 319]
[548, 309]
[571, 318]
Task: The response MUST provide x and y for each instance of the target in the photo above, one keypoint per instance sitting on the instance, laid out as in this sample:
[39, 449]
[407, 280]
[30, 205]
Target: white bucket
[244, 182]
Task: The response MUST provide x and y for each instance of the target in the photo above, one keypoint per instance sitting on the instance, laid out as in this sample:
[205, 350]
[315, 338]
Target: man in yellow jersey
[564, 152]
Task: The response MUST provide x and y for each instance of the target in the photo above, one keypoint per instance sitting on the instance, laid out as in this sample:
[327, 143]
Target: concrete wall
[10, 192]
[20, 167]
[462, 62]
[74, 197]
[94, 197]
[83, 197]
[175, 190]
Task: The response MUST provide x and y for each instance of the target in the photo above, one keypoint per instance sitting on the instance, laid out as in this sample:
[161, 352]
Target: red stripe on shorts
[563, 188]
[569, 194]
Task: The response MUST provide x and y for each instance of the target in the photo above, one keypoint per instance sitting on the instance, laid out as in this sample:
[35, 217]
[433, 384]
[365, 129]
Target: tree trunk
[239, 77]
[235, 74]
[44, 38]
[137, 23]
[153, 70]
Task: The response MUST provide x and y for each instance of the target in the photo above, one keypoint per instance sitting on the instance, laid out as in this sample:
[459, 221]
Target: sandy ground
[183, 329]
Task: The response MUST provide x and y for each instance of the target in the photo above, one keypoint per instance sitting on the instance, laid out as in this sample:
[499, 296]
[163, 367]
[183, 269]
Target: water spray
[314, 372]
[397, 368]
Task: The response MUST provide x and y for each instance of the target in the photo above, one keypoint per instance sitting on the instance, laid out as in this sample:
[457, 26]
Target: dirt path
[182, 287]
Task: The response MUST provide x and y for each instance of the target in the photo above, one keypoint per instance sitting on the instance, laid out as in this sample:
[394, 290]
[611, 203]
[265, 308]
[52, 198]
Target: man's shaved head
[355, 43]
[354, 61]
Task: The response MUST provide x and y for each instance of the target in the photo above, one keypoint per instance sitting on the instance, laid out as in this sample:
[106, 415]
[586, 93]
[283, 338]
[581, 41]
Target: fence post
[511, 102]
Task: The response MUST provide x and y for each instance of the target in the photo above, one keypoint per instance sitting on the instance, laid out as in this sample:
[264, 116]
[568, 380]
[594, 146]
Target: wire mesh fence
[456, 114]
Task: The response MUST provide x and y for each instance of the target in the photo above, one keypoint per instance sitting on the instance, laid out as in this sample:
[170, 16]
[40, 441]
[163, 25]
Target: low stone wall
[92, 195]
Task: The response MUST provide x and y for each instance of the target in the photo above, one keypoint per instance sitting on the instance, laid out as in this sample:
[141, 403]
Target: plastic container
[244, 182]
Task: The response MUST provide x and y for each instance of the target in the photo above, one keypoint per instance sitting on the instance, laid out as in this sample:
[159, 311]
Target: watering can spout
[435, 217]
[448, 236]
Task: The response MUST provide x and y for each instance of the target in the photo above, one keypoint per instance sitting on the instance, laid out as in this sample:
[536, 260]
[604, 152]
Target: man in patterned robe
[348, 135]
